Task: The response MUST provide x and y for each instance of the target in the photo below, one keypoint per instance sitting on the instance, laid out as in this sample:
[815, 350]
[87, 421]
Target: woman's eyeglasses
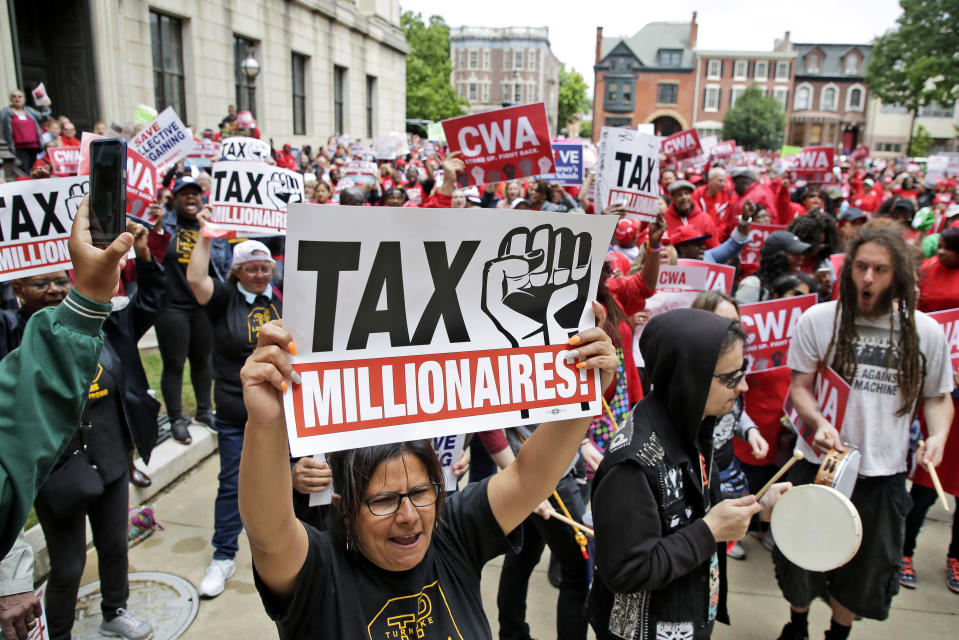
[386, 504]
[733, 378]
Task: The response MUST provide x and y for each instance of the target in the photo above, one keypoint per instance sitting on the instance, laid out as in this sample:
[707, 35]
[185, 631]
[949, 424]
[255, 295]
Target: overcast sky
[734, 24]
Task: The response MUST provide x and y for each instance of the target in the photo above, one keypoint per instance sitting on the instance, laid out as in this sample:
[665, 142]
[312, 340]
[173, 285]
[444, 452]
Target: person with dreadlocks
[893, 357]
[822, 234]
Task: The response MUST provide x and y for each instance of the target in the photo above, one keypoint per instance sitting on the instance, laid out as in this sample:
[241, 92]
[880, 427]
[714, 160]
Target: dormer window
[851, 65]
[670, 57]
[812, 63]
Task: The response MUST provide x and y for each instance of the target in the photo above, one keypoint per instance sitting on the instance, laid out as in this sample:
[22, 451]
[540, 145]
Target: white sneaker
[126, 625]
[214, 582]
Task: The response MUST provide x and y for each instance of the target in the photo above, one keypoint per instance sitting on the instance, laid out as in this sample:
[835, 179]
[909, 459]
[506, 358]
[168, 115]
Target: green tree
[755, 121]
[915, 64]
[586, 129]
[429, 93]
[572, 95]
[919, 145]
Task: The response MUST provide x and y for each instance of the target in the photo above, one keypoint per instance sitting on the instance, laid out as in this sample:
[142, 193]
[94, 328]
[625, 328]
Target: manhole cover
[168, 602]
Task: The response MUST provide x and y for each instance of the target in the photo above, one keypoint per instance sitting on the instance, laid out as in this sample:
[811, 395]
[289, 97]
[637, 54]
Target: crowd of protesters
[209, 301]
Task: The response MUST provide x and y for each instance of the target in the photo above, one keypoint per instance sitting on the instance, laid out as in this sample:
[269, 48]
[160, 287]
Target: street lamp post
[251, 68]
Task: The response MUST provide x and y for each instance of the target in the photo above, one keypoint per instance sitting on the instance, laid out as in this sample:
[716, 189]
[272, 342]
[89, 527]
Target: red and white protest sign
[244, 149]
[832, 395]
[40, 97]
[769, 327]
[165, 140]
[719, 277]
[628, 172]
[949, 320]
[251, 198]
[723, 149]
[35, 221]
[757, 238]
[209, 149]
[684, 144]
[501, 145]
[417, 323]
[859, 153]
[64, 160]
[814, 164]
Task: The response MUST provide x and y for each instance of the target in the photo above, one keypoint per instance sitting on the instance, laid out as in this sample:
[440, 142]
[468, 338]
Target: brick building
[646, 78]
[495, 67]
[829, 95]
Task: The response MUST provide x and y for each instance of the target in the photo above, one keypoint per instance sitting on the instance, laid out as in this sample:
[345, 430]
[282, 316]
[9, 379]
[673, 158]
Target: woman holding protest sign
[238, 308]
[400, 557]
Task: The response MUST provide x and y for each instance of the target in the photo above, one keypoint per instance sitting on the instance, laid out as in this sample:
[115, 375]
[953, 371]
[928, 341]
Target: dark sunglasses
[733, 378]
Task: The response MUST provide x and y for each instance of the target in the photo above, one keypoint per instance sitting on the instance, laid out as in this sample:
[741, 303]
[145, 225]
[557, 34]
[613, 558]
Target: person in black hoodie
[658, 533]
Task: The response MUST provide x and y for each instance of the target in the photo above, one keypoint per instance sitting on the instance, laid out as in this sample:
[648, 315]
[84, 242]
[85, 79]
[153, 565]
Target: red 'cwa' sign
[814, 164]
[502, 145]
[684, 144]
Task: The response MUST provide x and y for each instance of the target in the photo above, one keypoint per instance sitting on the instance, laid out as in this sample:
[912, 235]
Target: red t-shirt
[68, 141]
[764, 404]
[938, 286]
[24, 132]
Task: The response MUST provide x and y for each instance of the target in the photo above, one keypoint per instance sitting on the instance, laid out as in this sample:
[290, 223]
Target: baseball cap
[518, 202]
[184, 182]
[784, 241]
[906, 204]
[250, 251]
[626, 230]
[852, 214]
[687, 233]
[742, 172]
[676, 185]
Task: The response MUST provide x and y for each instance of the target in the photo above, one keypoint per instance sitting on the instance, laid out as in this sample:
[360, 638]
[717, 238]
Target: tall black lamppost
[251, 68]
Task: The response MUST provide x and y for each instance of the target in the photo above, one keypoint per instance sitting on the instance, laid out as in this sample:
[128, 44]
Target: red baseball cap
[626, 230]
[687, 233]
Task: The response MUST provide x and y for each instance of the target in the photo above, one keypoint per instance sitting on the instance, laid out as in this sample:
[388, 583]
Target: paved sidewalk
[186, 510]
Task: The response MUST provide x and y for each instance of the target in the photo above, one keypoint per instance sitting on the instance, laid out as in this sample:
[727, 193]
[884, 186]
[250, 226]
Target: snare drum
[816, 527]
[839, 470]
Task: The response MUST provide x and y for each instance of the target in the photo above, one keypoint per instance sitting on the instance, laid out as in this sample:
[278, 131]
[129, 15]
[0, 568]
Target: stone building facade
[326, 66]
[496, 67]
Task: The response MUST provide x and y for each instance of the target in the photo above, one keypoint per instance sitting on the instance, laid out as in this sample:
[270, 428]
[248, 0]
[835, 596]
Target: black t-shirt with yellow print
[236, 328]
[341, 594]
[178, 252]
[107, 439]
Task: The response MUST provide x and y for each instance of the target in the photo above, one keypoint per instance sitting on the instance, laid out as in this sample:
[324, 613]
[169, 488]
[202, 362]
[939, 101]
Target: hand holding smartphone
[108, 189]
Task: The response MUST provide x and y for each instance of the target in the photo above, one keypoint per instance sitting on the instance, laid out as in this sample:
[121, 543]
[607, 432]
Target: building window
[812, 63]
[531, 58]
[936, 110]
[370, 104]
[506, 92]
[517, 93]
[851, 66]
[461, 59]
[893, 109]
[666, 93]
[781, 95]
[486, 54]
[339, 90]
[670, 57]
[782, 71]
[854, 101]
[613, 121]
[518, 59]
[474, 59]
[740, 68]
[485, 86]
[167, 40]
[803, 98]
[242, 47]
[711, 100]
[735, 93]
[828, 101]
[714, 69]
[299, 94]
[619, 94]
[761, 71]
[815, 133]
[472, 92]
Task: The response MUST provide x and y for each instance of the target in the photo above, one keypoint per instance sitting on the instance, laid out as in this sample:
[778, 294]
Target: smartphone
[108, 189]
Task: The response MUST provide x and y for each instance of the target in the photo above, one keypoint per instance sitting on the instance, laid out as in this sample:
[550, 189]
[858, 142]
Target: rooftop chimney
[693, 31]
[599, 42]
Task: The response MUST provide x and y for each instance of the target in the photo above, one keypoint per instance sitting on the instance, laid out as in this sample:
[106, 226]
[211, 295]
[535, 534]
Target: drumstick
[797, 454]
[572, 523]
[609, 412]
[935, 481]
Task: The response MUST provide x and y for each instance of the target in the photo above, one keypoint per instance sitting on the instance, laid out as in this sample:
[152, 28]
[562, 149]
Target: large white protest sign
[35, 221]
[165, 140]
[628, 172]
[416, 323]
[241, 148]
[251, 198]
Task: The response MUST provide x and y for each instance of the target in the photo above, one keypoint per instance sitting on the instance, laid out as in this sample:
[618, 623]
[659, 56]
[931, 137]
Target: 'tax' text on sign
[501, 145]
[422, 323]
[628, 172]
[35, 221]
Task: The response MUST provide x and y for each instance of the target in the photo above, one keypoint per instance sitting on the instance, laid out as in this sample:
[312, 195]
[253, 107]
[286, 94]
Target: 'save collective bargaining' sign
[417, 323]
[251, 198]
[628, 172]
[501, 145]
[35, 221]
[165, 140]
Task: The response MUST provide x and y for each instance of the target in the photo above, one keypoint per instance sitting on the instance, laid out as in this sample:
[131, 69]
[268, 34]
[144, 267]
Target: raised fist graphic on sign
[283, 190]
[75, 197]
[537, 288]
